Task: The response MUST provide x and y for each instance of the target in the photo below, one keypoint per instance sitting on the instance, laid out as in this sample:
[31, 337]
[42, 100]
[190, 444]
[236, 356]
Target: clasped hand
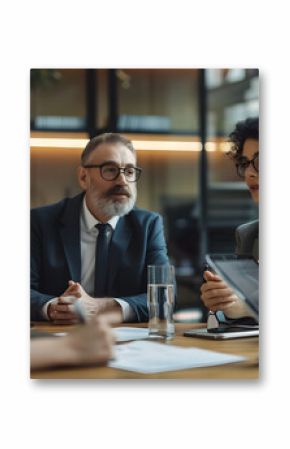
[61, 310]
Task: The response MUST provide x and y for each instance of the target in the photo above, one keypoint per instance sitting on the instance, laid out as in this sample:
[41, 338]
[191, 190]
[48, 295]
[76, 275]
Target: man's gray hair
[113, 138]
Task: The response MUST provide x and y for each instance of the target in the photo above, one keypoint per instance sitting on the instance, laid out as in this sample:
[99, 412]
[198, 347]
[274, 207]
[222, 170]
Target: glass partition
[157, 100]
[58, 99]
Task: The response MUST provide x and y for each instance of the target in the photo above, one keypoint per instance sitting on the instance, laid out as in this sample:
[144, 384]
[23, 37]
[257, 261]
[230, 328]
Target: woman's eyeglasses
[243, 163]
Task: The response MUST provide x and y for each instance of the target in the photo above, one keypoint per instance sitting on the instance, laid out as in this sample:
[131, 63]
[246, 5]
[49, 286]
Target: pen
[212, 320]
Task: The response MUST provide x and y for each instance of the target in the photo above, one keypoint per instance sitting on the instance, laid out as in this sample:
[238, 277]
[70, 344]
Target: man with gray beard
[95, 247]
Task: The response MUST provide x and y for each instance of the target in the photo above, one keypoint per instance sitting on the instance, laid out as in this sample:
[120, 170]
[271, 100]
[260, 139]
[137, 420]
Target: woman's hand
[217, 295]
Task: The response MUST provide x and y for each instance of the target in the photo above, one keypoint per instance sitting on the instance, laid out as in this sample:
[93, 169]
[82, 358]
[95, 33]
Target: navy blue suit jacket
[137, 241]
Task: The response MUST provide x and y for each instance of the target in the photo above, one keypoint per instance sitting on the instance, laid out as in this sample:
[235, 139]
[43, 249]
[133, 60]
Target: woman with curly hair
[215, 293]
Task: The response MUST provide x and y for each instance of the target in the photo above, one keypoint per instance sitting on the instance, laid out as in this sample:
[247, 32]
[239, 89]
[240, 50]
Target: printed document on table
[150, 357]
[130, 333]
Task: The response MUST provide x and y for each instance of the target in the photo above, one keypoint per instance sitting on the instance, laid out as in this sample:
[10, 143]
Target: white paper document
[150, 357]
[130, 333]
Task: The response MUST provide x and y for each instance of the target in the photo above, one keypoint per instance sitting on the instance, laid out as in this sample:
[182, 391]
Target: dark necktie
[101, 260]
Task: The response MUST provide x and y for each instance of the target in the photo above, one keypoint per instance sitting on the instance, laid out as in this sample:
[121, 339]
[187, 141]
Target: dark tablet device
[223, 333]
[241, 273]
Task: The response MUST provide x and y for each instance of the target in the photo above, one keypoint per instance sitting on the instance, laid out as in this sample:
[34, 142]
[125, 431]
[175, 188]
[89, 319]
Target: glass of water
[160, 300]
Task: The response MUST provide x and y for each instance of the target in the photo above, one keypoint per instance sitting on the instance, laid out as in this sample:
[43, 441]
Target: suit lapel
[119, 244]
[70, 235]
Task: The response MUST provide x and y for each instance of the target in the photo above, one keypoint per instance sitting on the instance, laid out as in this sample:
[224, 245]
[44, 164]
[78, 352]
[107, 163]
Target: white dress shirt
[89, 236]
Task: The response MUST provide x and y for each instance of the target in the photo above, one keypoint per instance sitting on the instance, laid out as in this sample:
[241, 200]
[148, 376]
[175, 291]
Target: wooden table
[248, 347]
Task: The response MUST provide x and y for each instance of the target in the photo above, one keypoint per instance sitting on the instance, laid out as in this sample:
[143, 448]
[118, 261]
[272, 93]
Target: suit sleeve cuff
[127, 311]
[44, 309]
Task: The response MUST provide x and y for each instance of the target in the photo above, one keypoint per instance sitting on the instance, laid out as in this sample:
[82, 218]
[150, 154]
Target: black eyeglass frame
[245, 164]
[138, 171]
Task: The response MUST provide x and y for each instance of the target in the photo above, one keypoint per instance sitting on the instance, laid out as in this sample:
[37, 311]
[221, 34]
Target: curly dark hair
[246, 129]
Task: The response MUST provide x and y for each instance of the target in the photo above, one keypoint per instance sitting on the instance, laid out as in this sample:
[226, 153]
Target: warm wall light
[57, 143]
[211, 146]
[225, 146]
[141, 145]
[155, 145]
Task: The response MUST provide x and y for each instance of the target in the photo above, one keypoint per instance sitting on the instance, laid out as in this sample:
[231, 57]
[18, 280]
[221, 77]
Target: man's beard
[111, 207]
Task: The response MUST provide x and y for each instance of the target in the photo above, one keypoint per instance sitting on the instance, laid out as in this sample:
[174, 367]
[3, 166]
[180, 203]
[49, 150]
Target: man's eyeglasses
[110, 172]
[243, 163]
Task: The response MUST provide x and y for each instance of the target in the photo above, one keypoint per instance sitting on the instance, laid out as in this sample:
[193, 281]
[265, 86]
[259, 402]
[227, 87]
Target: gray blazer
[247, 239]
